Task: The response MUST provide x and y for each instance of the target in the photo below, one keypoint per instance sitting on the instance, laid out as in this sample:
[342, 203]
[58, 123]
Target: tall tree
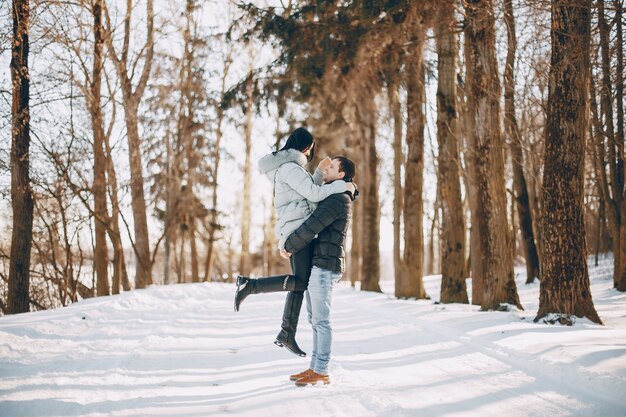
[483, 91]
[529, 248]
[98, 188]
[395, 106]
[453, 288]
[370, 214]
[21, 193]
[244, 259]
[213, 225]
[414, 175]
[565, 279]
[474, 263]
[132, 97]
[615, 150]
[620, 284]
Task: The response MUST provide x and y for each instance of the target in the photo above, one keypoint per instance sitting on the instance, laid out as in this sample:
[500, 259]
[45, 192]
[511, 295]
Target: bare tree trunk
[370, 220]
[414, 173]
[195, 275]
[120, 275]
[354, 257]
[565, 280]
[143, 273]
[182, 273]
[483, 92]
[18, 299]
[398, 160]
[213, 224]
[453, 288]
[474, 264]
[244, 260]
[430, 257]
[529, 247]
[169, 215]
[98, 189]
[620, 284]
[614, 154]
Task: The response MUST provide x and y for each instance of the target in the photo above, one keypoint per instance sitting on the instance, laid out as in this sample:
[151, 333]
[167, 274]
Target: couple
[313, 213]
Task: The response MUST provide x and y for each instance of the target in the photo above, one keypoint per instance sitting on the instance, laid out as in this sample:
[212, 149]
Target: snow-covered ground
[182, 351]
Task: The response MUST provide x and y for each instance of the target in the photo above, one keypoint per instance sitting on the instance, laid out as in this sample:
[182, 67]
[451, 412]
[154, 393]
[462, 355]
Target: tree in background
[529, 248]
[610, 138]
[453, 288]
[483, 92]
[246, 219]
[21, 194]
[413, 210]
[98, 188]
[132, 96]
[565, 279]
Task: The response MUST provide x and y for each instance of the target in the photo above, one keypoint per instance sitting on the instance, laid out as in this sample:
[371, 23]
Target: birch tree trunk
[18, 300]
[529, 247]
[565, 279]
[453, 288]
[483, 93]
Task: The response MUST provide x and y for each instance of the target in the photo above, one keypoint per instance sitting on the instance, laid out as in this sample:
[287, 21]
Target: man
[328, 225]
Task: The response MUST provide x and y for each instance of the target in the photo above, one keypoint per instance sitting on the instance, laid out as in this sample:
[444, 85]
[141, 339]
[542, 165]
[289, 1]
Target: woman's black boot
[287, 336]
[247, 286]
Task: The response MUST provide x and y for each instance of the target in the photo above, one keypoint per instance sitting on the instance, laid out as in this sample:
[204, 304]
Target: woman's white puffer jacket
[296, 192]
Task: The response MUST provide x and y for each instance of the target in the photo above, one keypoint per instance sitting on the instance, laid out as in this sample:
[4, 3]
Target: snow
[181, 351]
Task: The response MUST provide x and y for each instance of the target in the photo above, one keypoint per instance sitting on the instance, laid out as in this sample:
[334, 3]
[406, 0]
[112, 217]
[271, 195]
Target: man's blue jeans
[318, 300]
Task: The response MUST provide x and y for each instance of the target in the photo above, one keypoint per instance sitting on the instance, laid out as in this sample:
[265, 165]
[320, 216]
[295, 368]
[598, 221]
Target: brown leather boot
[313, 379]
[301, 375]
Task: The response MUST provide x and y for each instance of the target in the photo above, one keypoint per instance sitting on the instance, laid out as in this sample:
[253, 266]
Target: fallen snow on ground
[181, 351]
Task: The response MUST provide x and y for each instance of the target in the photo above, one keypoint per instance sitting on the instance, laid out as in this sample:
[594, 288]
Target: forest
[486, 135]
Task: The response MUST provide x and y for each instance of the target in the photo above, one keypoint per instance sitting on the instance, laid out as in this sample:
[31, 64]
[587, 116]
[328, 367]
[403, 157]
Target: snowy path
[182, 351]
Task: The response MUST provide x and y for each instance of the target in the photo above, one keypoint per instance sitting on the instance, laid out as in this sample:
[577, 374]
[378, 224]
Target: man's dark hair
[347, 167]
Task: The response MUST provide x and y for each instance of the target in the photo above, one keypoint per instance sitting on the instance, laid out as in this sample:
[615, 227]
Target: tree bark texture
[483, 93]
[353, 267]
[398, 191]
[565, 280]
[529, 248]
[370, 213]
[615, 152]
[98, 188]
[474, 264]
[21, 195]
[413, 286]
[620, 284]
[453, 288]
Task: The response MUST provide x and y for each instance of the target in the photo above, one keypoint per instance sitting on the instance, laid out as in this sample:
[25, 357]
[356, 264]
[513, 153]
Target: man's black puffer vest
[329, 222]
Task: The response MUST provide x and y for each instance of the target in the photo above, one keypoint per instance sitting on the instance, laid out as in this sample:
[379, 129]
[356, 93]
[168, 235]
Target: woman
[296, 193]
